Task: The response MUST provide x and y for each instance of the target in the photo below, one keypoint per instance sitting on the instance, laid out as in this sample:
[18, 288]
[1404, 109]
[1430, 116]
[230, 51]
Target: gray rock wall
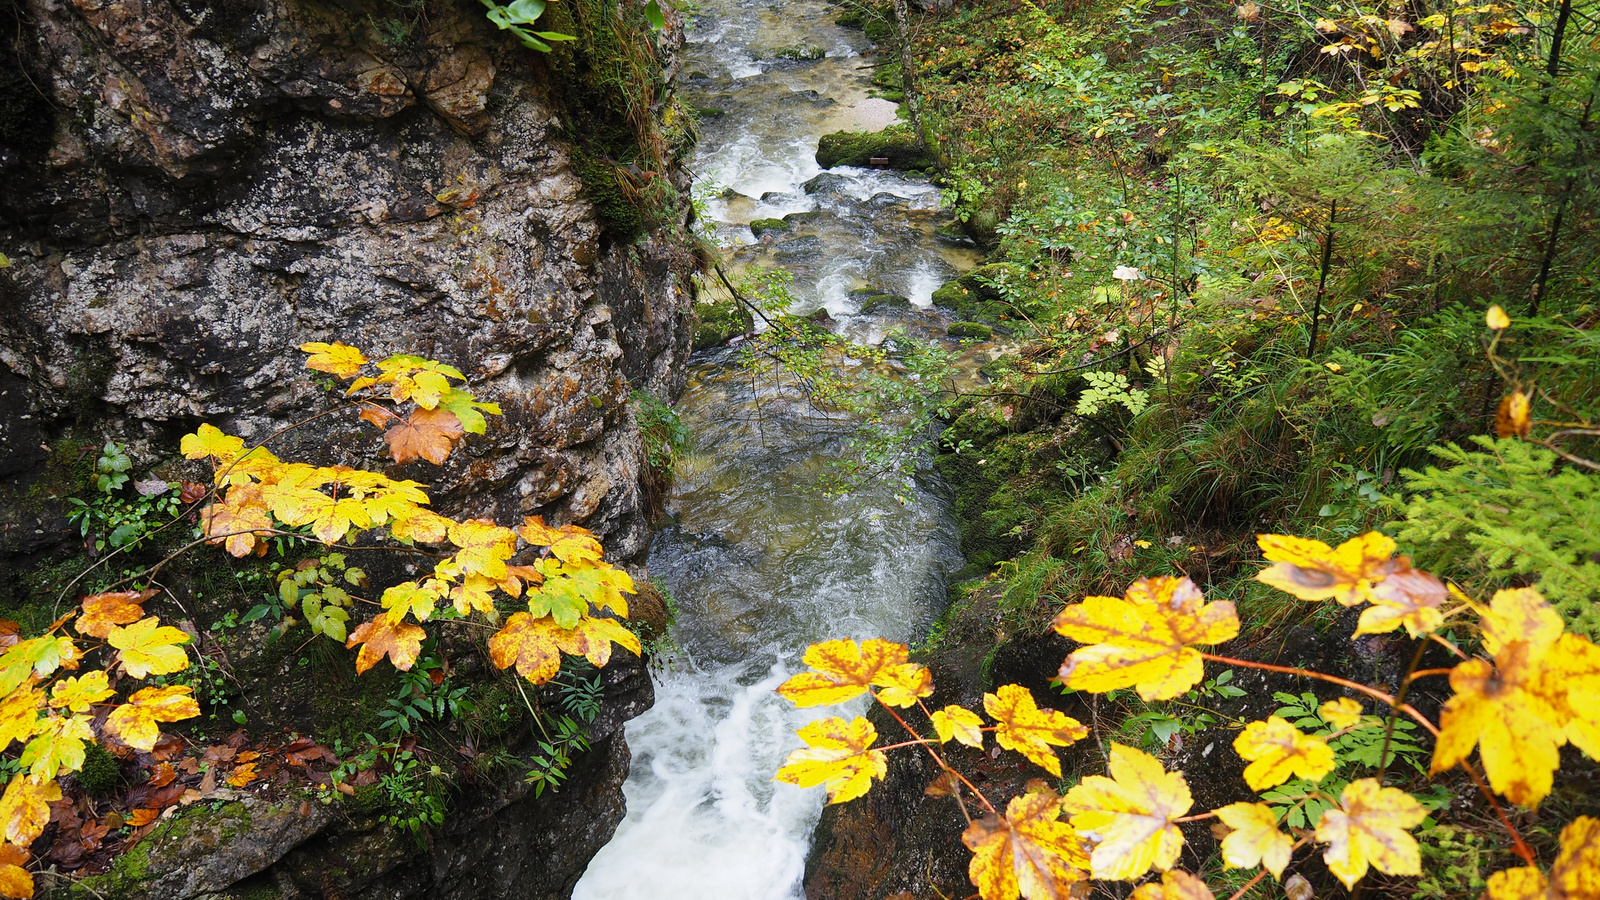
[224, 181]
[192, 189]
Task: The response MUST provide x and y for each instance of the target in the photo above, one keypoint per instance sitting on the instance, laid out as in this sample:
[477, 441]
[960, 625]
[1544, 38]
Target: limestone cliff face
[195, 188]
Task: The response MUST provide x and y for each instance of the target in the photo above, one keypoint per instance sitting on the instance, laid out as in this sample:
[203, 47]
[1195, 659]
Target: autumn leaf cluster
[1535, 688]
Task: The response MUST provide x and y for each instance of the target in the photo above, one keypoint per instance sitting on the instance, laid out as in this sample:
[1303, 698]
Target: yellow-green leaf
[78, 694]
[1255, 839]
[959, 723]
[1134, 812]
[1311, 570]
[1278, 751]
[57, 746]
[150, 648]
[25, 808]
[837, 758]
[1143, 639]
[1370, 827]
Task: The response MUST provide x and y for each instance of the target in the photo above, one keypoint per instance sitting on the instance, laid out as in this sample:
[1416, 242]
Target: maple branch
[1406, 708]
[1424, 673]
[1447, 645]
[1519, 846]
[939, 759]
[1198, 817]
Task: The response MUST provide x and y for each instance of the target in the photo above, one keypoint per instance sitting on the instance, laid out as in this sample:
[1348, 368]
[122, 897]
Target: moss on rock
[974, 330]
[975, 294]
[762, 226]
[715, 323]
[897, 144]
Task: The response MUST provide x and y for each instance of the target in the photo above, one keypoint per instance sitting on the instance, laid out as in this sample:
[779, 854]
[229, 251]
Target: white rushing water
[761, 562]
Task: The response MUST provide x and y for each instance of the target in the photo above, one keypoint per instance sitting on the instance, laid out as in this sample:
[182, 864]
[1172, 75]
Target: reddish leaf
[428, 434]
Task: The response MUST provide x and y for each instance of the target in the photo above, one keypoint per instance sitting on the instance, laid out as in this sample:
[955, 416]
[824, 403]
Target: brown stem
[939, 760]
[1520, 847]
[1333, 679]
[1424, 673]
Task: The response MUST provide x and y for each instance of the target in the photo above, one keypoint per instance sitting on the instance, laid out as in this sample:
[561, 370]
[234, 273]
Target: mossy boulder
[974, 294]
[801, 52]
[762, 226]
[884, 302]
[208, 846]
[973, 330]
[716, 322]
[858, 148]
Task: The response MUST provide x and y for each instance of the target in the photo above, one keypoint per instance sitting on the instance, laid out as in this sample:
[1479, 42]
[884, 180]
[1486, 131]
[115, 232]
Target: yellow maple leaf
[25, 808]
[134, 722]
[1029, 730]
[473, 594]
[1278, 751]
[386, 635]
[417, 600]
[1341, 713]
[1142, 639]
[335, 358]
[1514, 416]
[1255, 839]
[842, 670]
[102, 611]
[837, 758]
[569, 543]
[79, 693]
[959, 723]
[484, 547]
[1370, 827]
[57, 746]
[593, 636]
[533, 644]
[209, 441]
[1512, 709]
[1311, 570]
[1133, 812]
[412, 524]
[1174, 885]
[1570, 678]
[149, 648]
[19, 715]
[1575, 875]
[15, 882]
[904, 684]
[1408, 597]
[1029, 852]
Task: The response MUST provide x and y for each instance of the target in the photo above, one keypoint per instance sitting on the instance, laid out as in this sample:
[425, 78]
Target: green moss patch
[858, 148]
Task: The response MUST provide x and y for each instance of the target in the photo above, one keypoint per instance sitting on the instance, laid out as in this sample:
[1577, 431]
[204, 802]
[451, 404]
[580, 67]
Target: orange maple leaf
[242, 775]
[141, 817]
[1142, 639]
[1029, 852]
[534, 645]
[428, 434]
[102, 611]
[15, 882]
[1029, 730]
[386, 635]
[238, 521]
[134, 722]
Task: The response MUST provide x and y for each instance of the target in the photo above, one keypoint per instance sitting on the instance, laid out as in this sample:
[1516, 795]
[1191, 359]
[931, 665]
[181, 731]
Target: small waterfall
[760, 561]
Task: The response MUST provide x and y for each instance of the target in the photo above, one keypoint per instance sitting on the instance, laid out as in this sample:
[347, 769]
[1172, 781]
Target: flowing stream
[760, 561]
